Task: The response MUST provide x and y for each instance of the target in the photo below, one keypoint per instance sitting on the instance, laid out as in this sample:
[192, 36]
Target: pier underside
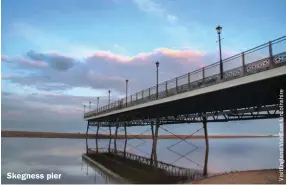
[246, 102]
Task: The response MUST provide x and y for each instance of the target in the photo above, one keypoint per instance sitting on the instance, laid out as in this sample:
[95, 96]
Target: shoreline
[29, 134]
[263, 176]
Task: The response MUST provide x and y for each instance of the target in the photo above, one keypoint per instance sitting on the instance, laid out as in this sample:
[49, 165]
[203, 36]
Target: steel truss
[249, 113]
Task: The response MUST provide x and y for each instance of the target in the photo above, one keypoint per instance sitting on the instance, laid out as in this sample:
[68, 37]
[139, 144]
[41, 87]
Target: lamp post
[109, 98]
[218, 29]
[126, 91]
[97, 103]
[157, 88]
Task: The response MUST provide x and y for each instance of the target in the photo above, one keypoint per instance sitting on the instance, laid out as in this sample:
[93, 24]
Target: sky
[58, 55]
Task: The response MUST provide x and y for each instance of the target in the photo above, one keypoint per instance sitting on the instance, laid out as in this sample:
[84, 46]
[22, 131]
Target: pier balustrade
[243, 64]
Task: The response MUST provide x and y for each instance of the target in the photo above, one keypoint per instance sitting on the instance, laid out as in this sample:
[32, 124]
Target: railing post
[203, 73]
[142, 94]
[177, 84]
[243, 64]
[131, 100]
[270, 55]
[149, 94]
[166, 88]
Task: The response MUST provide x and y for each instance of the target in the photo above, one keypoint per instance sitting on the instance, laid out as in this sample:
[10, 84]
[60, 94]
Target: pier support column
[125, 144]
[87, 128]
[155, 138]
[205, 172]
[115, 146]
[109, 137]
[96, 139]
[152, 131]
[86, 145]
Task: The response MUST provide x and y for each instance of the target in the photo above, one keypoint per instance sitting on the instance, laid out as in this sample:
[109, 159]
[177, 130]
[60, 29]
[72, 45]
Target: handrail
[170, 89]
[130, 155]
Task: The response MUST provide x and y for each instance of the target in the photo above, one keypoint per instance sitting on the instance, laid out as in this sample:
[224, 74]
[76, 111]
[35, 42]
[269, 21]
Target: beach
[265, 176]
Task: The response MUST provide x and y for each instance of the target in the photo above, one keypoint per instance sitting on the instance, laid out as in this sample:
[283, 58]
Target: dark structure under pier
[139, 169]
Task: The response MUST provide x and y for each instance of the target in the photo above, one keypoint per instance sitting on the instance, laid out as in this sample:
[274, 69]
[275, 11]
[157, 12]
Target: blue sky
[137, 26]
[57, 55]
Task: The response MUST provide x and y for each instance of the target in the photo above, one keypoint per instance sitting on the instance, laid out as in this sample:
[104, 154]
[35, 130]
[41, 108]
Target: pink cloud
[4, 58]
[32, 63]
[179, 53]
[23, 61]
[144, 56]
[187, 55]
[110, 56]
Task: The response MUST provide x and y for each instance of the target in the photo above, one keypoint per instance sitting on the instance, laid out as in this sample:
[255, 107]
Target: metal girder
[250, 113]
[181, 140]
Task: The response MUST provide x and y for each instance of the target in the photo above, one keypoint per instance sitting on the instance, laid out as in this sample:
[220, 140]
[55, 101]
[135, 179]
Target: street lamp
[109, 99]
[97, 104]
[157, 88]
[218, 29]
[126, 91]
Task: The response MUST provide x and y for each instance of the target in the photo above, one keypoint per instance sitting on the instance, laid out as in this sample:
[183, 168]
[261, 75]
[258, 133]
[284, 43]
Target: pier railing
[264, 57]
[174, 170]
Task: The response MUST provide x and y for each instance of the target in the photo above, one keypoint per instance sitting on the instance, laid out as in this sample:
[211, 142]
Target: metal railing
[260, 58]
[171, 169]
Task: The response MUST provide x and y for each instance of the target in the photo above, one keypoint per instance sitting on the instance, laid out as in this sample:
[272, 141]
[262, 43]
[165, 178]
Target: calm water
[63, 156]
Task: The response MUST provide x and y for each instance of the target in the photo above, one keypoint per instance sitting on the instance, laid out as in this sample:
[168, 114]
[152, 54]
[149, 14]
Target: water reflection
[45, 156]
[24, 155]
[108, 179]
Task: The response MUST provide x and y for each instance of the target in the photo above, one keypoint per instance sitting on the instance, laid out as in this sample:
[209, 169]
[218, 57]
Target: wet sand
[28, 134]
[266, 176]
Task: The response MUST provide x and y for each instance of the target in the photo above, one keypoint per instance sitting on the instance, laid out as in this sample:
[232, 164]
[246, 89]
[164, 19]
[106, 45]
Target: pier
[247, 88]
